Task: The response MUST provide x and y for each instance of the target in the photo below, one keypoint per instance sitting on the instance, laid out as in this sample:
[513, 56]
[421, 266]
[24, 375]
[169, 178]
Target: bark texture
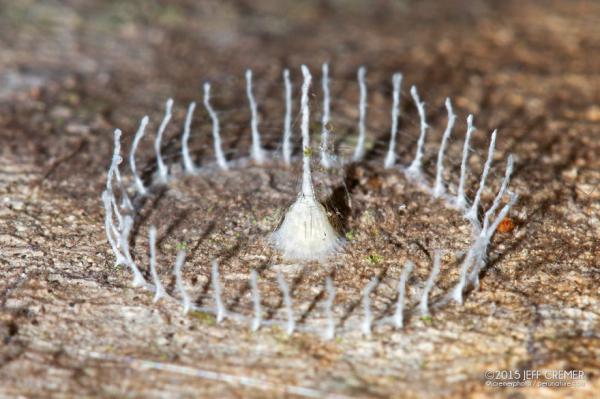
[72, 71]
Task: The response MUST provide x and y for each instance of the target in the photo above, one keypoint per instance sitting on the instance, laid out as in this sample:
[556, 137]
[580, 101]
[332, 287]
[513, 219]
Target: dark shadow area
[139, 201]
[352, 307]
[316, 299]
[270, 311]
[234, 303]
[338, 202]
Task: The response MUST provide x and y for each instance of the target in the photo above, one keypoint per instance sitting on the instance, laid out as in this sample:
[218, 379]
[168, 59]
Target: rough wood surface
[72, 71]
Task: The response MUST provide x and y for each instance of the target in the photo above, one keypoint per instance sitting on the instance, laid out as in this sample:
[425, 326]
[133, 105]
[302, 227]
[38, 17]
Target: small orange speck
[506, 225]
[374, 183]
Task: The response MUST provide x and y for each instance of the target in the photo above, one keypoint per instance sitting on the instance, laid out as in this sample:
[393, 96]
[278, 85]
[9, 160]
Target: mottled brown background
[71, 71]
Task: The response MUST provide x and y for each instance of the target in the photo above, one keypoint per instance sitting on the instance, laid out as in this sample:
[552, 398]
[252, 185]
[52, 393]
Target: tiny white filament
[159, 291]
[330, 332]
[484, 241]
[390, 159]
[287, 122]
[139, 185]
[113, 238]
[457, 293]
[188, 164]
[461, 199]
[255, 300]
[307, 188]
[424, 305]
[414, 170]
[113, 172]
[287, 300]
[186, 302]
[125, 201]
[325, 157]
[368, 317]
[359, 151]
[138, 279]
[399, 315]
[221, 311]
[256, 151]
[438, 188]
[215, 129]
[472, 213]
[163, 173]
[503, 188]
